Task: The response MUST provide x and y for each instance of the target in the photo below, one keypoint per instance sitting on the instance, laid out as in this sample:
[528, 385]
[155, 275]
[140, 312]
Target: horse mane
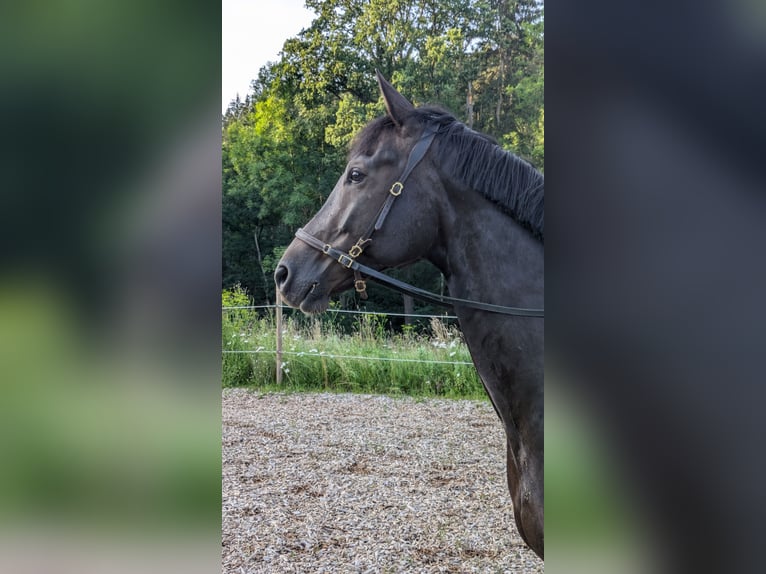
[477, 161]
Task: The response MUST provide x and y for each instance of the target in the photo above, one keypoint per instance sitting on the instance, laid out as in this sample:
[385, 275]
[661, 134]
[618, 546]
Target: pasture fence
[279, 351]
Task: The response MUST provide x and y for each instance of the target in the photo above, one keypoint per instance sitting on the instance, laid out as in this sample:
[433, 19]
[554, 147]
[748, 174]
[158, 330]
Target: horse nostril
[280, 275]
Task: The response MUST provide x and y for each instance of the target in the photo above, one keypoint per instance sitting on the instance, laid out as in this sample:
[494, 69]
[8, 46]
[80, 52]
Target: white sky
[253, 34]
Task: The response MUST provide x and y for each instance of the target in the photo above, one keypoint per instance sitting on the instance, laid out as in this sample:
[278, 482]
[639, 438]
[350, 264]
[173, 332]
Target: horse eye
[355, 176]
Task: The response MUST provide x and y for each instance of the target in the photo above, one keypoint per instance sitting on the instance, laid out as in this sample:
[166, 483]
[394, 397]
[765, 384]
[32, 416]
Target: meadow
[335, 352]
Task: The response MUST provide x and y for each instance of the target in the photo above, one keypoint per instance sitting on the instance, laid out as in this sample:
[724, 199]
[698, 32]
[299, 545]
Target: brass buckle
[343, 258]
[360, 285]
[355, 251]
[396, 189]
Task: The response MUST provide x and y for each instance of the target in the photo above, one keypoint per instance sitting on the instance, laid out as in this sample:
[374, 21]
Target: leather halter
[348, 260]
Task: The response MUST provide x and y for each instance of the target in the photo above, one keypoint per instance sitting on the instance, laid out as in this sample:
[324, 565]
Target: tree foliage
[284, 145]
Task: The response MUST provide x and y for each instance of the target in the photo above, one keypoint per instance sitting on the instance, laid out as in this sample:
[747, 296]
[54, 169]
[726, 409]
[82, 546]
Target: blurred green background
[110, 234]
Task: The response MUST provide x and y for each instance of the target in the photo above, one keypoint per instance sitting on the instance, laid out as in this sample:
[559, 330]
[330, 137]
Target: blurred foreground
[109, 344]
[654, 286]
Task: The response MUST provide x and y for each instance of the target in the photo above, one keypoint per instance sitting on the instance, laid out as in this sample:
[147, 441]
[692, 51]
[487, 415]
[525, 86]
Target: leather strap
[417, 153]
[350, 263]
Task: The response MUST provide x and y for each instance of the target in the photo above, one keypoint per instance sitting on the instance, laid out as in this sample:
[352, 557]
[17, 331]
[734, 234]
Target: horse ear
[396, 104]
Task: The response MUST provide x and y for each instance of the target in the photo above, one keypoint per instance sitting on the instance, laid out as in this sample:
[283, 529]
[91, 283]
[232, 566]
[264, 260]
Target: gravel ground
[356, 483]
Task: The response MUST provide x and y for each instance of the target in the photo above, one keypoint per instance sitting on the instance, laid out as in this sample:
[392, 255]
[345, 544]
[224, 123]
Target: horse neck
[485, 255]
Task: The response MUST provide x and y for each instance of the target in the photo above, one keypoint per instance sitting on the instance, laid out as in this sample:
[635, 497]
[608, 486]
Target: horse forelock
[477, 161]
[366, 141]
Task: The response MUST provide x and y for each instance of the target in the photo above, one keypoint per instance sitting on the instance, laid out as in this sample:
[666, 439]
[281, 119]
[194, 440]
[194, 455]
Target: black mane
[477, 160]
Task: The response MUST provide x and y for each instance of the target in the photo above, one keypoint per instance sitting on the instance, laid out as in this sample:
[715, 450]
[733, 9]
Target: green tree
[274, 179]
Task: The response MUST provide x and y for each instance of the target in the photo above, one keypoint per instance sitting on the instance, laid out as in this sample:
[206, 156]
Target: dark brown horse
[419, 184]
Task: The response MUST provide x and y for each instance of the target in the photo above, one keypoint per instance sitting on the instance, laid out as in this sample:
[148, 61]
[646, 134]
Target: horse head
[379, 212]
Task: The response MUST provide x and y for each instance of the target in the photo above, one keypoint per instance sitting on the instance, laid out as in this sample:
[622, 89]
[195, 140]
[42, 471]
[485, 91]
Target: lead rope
[349, 263]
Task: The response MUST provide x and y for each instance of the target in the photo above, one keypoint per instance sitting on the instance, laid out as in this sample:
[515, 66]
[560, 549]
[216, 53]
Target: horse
[419, 184]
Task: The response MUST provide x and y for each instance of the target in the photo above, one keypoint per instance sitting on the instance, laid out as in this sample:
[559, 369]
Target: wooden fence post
[279, 337]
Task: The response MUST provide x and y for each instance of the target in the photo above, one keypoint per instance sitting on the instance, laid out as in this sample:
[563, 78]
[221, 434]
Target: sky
[253, 34]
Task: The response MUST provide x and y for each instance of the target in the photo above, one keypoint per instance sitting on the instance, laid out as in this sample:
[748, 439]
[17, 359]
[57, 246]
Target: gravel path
[356, 483]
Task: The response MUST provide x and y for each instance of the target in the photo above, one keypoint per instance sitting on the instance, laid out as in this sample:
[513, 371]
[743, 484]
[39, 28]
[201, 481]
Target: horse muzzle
[306, 281]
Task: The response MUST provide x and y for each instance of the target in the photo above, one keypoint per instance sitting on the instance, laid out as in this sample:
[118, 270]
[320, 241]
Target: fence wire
[348, 311]
[334, 356]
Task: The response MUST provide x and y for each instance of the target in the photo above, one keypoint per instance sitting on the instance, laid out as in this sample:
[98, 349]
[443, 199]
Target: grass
[320, 354]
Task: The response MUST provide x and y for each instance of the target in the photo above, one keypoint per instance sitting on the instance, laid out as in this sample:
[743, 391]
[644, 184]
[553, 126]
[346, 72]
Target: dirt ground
[356, 483]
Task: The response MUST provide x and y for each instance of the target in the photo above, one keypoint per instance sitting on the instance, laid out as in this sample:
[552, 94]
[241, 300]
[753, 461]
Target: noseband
[348, 260]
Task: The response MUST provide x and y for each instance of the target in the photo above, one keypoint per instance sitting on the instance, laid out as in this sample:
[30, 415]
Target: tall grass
[320, 354]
